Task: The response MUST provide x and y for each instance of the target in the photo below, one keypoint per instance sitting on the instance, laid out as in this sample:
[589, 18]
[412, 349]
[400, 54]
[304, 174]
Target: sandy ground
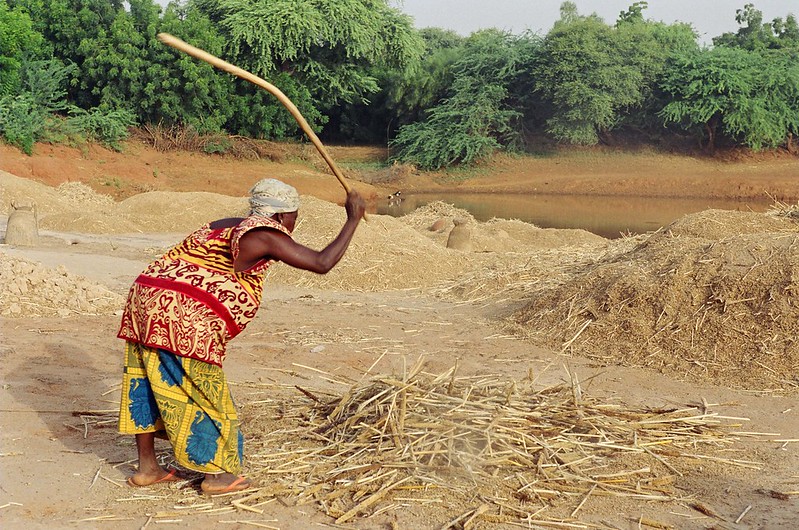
[62, 465]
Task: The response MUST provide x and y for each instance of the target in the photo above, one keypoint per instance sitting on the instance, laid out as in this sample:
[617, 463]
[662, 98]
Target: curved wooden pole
[178, 44]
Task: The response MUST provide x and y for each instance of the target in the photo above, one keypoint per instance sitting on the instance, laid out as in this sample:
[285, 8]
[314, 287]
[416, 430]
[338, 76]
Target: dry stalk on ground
[482, 444]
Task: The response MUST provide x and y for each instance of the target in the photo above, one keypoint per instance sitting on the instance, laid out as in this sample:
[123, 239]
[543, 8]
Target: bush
[468, 127]
[105, 126]
[22, 121]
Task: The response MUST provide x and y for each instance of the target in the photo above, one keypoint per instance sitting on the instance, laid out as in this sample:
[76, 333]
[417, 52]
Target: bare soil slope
[590, 171]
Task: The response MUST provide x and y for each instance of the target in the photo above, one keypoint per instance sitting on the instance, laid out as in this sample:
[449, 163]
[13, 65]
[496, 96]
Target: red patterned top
[190, 301]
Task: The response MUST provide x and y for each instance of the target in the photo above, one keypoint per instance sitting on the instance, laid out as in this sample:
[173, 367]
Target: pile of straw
[423, 217]
[480, 447]
[506, 280]
[709, 298]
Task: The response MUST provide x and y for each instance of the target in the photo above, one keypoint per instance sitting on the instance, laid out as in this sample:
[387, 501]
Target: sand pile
[710, 298]
[163, 211]
[386, 253]
[29, 289]
[75, 207]
[389, 253]
[495, 235]
[72, 206]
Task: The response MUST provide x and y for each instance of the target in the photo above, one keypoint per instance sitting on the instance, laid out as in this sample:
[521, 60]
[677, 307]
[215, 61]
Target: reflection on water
[606, 216]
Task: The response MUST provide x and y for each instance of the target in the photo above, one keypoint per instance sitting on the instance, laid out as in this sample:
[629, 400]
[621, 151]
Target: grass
[366, 166]
[113, 182]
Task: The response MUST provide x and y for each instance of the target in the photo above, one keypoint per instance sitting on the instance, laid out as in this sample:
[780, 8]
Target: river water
[608, 217]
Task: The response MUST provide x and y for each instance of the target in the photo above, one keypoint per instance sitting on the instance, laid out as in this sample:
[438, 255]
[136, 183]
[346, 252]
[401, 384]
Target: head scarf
[271, 196]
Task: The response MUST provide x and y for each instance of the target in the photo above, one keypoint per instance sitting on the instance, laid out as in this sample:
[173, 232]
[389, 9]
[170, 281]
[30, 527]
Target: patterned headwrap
[271, 196]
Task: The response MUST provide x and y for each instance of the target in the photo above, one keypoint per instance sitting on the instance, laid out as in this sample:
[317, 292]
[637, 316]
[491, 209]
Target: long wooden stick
[171, 40]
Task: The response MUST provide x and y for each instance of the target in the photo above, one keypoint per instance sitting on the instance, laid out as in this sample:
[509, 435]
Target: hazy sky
[709, 18]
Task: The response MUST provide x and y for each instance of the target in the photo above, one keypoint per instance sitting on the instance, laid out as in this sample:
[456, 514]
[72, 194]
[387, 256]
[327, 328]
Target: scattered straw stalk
[525, 454]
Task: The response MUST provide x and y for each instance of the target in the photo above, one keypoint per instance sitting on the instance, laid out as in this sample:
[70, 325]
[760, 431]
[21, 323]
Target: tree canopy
[756, 35]
[321, 51]
[744, 94]
[595, 74]
[360, 72]
[478, 116]
[17, 38]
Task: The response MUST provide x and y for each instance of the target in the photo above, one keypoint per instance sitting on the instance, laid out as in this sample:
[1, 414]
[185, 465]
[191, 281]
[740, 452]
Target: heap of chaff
[485, 447]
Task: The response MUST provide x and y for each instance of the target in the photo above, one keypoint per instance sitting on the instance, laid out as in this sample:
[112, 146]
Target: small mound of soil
[163, 211]
[385, 254]
[75, 207]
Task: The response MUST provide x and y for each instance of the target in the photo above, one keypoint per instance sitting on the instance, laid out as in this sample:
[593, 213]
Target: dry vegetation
[185, 139]
[487, 447]
[711, 297]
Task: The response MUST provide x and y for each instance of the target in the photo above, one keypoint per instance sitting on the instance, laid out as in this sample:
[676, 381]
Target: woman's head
[270, 197]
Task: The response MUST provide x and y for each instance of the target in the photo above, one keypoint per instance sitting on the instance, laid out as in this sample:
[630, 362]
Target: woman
[180, 314]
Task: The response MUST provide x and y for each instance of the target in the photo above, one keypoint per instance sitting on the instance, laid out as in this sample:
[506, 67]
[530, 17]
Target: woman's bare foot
[143, 478]
[224, 483]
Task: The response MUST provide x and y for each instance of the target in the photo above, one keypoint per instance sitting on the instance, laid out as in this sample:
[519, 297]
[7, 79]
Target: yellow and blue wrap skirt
[187, 401]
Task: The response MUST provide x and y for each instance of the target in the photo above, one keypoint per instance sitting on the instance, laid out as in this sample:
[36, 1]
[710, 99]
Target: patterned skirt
[186, 401]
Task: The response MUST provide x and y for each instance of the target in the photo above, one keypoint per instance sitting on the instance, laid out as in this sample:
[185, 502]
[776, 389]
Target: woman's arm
[260, 244]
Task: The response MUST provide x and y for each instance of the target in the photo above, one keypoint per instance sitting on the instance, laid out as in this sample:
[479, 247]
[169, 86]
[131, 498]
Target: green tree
[462, 130]
[787, 31]
[634, 14]
[747, 96]
[256, 113]
[404, 96]
[480, 115]
[66, 24]
[321, 51]
[127, 68]
[646, 46]
[26, 115]
[756, 35]
[37, 112]
[17, 39]
[115, 59]
[773, 116]
[413, 90]
[569, 14]
[176, 88]
[596, 77]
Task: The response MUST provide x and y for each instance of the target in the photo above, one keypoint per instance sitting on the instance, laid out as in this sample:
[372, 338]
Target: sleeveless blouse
[190, 301]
